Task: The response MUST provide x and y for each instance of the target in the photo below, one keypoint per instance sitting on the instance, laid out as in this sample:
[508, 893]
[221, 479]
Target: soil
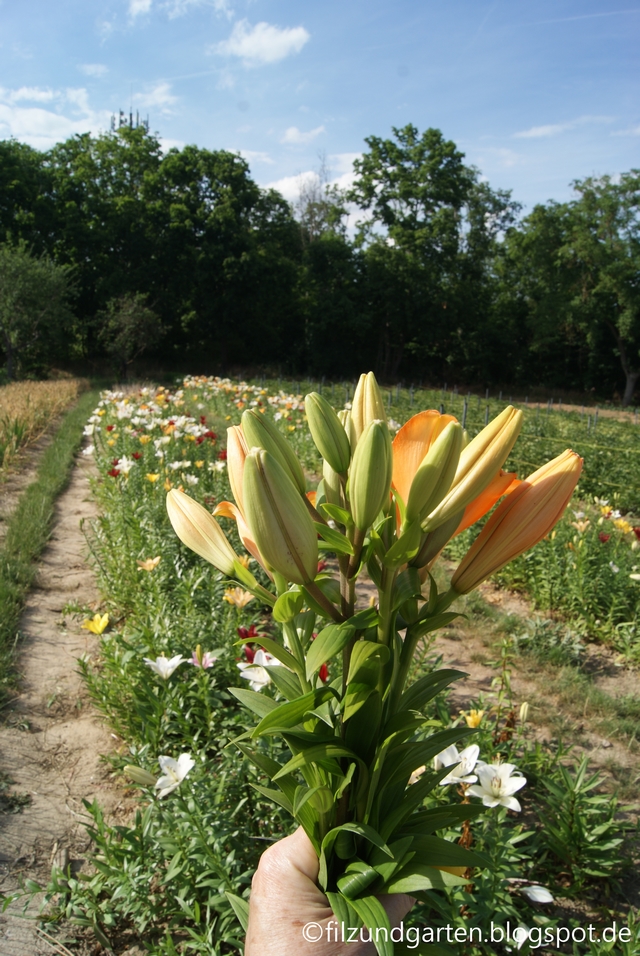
[50, 738]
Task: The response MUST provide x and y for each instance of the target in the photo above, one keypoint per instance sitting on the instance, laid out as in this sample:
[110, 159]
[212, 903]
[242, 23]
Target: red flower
[321, 566]
[636, 531]
[323, 673]
[249, 633]
[223, 455]
[210, 434]
[113, 473]
[203, 420]
[170, 422]
[199, 440]
[249, 652]
[115, 461]
[110, 428]
[137, 455]
[604, 537]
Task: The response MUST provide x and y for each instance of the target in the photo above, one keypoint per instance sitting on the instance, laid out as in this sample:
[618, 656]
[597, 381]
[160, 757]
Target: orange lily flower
[525, 517]
[227, 509]
[503, 484]
[411, 444]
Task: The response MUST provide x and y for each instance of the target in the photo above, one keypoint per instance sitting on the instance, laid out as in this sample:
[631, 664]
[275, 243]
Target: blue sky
[536, 94]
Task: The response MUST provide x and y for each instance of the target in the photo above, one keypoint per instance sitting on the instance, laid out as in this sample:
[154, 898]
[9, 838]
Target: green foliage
[35, 316]
[127, 328]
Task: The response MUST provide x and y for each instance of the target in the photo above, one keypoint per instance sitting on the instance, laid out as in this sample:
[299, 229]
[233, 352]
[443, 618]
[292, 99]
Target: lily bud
[433, 478]
[367, 405]
[328, 432]
[370, 474]
[277, 516]
[200, 531]
[522, 519]
[524, 712]
[479, 463]
[236, 453]
[138, 775]
[332, 485]
[261, 433]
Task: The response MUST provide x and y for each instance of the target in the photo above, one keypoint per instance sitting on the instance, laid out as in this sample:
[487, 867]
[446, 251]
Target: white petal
[510, 803]
[537, 894]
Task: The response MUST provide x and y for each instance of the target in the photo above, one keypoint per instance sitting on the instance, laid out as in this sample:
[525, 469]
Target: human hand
[285, 899]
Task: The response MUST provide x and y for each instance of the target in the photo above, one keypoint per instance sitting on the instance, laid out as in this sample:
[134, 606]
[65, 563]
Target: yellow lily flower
[96, 624]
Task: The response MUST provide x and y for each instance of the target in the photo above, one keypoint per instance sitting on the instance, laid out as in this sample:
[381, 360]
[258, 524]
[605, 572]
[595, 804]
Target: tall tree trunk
[630, 387]
[632, 374]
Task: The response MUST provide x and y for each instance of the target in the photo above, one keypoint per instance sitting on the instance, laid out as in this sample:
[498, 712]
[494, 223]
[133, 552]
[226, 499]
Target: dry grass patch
[27, 409]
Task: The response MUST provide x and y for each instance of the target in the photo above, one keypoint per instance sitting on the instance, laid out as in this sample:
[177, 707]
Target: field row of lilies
[177, 633]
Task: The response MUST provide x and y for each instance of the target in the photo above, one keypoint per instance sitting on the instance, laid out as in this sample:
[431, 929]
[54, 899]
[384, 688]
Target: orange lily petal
[312, 496]
[504, 483]
[227, 509]
[412, 443]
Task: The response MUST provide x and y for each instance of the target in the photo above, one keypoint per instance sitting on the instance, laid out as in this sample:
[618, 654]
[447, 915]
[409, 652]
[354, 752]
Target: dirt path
[51, 739]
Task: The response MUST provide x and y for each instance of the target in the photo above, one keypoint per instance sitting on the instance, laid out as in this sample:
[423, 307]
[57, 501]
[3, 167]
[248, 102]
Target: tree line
[112, 249]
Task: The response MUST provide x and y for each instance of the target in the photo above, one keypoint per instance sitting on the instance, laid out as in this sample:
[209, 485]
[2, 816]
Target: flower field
[176, 634]
[27, 408]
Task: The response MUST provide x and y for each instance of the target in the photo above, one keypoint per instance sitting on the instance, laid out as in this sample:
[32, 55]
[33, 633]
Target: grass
[28, 408]
[28, 530]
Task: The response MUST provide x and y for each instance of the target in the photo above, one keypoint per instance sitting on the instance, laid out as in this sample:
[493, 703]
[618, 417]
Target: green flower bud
[367, 405]
[260, 432]
[276, 514]
[138, 775]
[200, 531]
[332, 486]
[370, 474]
[328, 432]
[437, 470]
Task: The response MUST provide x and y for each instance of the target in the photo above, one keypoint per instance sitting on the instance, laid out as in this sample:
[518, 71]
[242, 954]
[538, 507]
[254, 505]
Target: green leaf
[434, 851]
[329, 642]
[281, 654]
[291, 714]
[407, 585]
[343, 911]
[287, 606]
[363, 722]
[426, 625]
[316, 754]
[276, 796]
[407, 757]
[427, 687]
[333, 540]
[369, 617]
[405, 548]
[362, 830]
[240, 908]
[357, 877]
[340, 515]
[259, 704]
[285, 680]
[416, 876]
[355, 697]
[366, 659]
[374, 916]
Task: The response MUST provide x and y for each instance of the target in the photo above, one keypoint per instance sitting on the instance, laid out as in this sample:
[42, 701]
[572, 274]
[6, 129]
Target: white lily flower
[174, 772]
[496, 785]
[462, 763]
[126, 464]
[537, 894]
[255, 672]
[164, 666]
[89, 450]
[88, 430]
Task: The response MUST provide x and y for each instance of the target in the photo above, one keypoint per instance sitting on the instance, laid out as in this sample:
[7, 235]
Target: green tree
[602, 252]
[127, 328]
[35, 316]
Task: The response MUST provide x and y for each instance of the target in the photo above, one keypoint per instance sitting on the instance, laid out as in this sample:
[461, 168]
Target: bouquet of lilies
[386, 509]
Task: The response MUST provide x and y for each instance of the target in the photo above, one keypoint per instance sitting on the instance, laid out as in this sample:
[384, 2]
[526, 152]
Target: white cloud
[262, 43]
[552, 129]
[167, 144]
[178, 8]
[33, 93]
[633, 131]
[294, 135]
[93, 69]
[138, 7]
[255, 156]
[291, 186]
[42, 128]
[159, 96]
